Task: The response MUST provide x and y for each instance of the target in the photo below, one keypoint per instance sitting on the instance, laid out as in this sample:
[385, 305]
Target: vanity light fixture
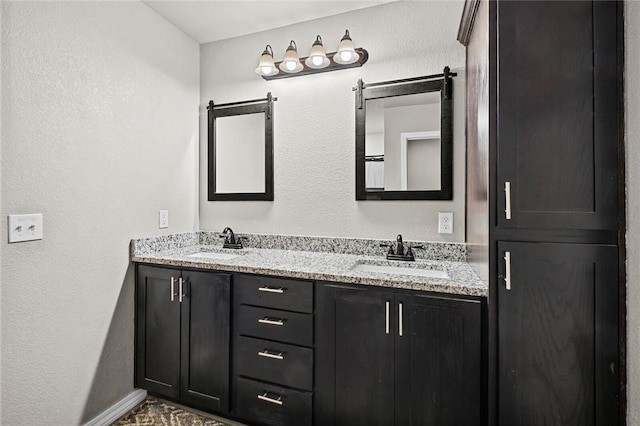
[317, 56]
[291, 63]
[346, 53]
[347, 56]
[267, 66]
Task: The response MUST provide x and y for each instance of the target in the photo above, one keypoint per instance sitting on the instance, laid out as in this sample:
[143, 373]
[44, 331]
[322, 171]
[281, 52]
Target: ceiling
[212, 20]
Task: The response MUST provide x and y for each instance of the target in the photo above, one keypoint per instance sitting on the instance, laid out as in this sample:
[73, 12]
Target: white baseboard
[118, 409]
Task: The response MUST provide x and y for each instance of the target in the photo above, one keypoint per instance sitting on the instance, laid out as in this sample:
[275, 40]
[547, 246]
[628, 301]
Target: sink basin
[400, 270]
[213, 255]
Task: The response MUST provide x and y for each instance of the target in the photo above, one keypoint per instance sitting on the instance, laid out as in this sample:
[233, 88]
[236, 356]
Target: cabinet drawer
[277, 293]
[272, 324]
[272, 405]
[275, 362]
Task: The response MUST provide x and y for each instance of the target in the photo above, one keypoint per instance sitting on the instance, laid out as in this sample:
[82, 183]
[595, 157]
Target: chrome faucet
[400, 253]
[230, 240]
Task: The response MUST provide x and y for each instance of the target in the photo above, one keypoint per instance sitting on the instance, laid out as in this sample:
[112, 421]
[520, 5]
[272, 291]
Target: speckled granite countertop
[310, 265]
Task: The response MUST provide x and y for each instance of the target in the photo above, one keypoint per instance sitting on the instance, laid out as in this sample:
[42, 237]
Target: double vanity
[306, 330]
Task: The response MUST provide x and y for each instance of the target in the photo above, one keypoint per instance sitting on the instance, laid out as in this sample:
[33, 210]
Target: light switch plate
[163, 219]
[25, 227]
[445, 222]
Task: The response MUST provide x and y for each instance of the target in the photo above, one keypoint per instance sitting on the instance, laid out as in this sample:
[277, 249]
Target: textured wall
[632, 143]
[314, 123]
[99, 131]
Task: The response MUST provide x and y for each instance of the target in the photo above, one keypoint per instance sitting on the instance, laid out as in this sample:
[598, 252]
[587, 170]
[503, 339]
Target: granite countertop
[315, 265]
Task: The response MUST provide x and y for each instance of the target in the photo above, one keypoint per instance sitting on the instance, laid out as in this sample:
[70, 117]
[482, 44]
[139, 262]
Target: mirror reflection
[241, 150]
[244, 138]
[401, 132]
[404, 139]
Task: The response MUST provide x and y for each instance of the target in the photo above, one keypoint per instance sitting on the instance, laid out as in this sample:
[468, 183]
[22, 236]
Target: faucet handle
[417, 247]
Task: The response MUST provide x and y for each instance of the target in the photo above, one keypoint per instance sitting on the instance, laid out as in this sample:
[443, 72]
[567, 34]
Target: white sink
[213, 255]
[400, 270]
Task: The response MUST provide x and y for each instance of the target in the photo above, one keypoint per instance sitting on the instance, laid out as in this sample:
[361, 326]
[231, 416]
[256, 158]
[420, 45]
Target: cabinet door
[205, 340]
[558, 334]
[158, 331]
[354, 357]
[438, 361]
[557, 125]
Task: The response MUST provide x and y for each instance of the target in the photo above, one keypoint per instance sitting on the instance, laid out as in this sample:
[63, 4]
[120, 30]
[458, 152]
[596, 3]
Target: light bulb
[266, 70]
[316, 60]
[345, 56]
[290, 65]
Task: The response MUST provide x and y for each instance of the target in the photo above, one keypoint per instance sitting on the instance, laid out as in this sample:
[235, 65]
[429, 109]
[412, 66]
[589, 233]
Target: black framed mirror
[404, 139]
[240, 150]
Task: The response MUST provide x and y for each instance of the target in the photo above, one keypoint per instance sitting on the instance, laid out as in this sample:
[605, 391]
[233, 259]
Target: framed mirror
[240, 150]
[404, 139]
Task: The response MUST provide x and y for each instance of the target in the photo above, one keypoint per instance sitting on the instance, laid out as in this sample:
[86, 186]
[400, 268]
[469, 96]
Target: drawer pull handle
[268, 289]
[270, 354]
[400, 319]
[386, 318]
[180, 293]
[507, 200]
[507, 270]
[271, 321]
[265, 397]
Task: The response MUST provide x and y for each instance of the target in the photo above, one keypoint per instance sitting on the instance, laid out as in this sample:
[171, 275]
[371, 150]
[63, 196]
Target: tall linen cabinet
[545, 205]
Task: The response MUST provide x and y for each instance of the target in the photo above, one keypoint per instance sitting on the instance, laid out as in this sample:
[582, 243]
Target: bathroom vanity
[290, 337]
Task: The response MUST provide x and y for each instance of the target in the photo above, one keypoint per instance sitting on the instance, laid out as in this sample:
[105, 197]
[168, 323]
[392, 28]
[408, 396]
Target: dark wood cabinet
[205, 339]
[438, 361]
[558, 334]
[354, 356]
[388, 357]
[273, 350]
[545, 81]
[557, 101]
[157, 332]
[182, 335]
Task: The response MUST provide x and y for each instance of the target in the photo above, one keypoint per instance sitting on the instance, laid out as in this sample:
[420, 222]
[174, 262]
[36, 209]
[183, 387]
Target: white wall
[99, 131]
[314, 123]
[632, 146]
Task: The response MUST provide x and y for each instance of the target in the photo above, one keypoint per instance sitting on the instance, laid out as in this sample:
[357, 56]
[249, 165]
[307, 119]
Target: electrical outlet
[25, 227]
[163, 219]
[445, 222]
